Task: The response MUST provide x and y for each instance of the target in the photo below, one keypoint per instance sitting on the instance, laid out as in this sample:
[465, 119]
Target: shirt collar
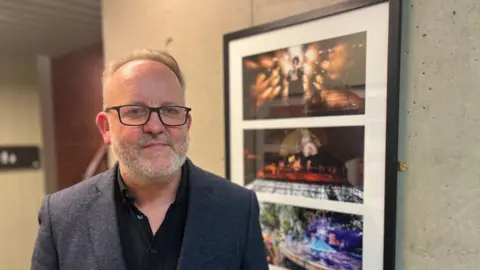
[182, 191]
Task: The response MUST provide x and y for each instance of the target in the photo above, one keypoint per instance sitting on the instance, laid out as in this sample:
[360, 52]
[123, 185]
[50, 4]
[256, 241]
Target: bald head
[137, 63]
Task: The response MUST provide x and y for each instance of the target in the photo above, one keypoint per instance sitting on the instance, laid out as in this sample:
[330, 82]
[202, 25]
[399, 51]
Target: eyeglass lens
[138, 115]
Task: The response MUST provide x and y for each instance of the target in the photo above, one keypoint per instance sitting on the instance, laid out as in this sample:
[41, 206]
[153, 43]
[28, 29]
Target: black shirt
[141, 248]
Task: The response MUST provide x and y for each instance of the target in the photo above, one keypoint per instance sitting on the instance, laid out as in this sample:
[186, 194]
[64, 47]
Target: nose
[154, 124]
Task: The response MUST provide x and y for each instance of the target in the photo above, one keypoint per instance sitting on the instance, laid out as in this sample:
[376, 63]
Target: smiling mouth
[156, 144]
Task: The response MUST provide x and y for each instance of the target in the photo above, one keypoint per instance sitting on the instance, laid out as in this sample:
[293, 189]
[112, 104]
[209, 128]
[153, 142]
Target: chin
[161, 162]
[162, 166]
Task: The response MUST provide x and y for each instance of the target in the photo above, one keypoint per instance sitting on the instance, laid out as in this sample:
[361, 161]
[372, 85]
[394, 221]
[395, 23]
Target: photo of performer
[295, 79]
[322, 78]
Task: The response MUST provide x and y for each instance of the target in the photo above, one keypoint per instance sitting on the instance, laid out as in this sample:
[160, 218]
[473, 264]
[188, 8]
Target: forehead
[145, 81]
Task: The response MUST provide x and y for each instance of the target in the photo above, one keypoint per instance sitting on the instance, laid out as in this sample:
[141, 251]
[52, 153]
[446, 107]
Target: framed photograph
[317, 163]
[308, 238]
[328, 80]
[311, 125]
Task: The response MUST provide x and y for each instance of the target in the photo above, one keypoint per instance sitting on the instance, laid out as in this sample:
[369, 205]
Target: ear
[103, 127]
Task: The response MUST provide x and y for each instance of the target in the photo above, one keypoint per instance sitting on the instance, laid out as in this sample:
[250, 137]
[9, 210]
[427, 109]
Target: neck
[155, 191]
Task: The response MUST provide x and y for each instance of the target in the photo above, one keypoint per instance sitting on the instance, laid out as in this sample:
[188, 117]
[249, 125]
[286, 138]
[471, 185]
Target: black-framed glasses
[138, 115]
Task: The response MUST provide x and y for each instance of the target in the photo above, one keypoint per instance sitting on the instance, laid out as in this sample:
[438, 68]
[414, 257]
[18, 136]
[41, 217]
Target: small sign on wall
[19, 157]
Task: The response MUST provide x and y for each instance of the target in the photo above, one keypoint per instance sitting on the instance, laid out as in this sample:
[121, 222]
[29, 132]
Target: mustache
[151, 138]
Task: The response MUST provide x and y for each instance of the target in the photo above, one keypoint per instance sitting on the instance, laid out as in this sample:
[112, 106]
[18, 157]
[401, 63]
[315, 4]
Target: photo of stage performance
[318, 163]
[301, 238]
[322, 78]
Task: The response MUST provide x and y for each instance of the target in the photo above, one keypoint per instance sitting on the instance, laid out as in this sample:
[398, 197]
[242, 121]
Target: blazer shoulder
[71, 198]
[217, 181]
[226, 190]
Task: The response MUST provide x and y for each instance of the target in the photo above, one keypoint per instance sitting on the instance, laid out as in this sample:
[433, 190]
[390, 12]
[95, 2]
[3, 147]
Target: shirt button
[154, 251]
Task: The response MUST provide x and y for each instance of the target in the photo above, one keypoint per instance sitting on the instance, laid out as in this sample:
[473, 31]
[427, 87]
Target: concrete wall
[438, 118]
[22, 191]
[439, 197]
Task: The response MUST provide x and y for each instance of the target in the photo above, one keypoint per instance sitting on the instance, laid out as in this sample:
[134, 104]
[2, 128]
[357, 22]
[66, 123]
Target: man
[295, 79]
[154, 209]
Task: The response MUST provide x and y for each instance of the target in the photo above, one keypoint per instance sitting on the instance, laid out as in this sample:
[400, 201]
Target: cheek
[177, 134]
[128, 134]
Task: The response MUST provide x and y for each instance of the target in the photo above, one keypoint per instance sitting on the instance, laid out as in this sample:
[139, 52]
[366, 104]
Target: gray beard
[142, 172]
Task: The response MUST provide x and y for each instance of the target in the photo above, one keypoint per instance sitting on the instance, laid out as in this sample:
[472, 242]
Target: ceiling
[48, 27]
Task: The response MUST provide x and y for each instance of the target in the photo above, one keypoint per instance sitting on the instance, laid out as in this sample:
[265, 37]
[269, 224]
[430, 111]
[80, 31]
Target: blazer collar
[200, 219]
[103, 227]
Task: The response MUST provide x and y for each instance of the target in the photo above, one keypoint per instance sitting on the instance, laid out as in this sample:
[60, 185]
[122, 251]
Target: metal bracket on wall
[402, 166]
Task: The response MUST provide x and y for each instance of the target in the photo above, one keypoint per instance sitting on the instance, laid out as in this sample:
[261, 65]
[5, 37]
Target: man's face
[152, 150]
[295, 63]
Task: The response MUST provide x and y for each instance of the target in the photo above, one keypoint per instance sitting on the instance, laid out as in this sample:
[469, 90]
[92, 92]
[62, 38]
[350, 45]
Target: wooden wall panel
[77, 98]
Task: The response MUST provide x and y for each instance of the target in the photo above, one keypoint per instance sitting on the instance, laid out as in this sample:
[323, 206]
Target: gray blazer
[78, 227]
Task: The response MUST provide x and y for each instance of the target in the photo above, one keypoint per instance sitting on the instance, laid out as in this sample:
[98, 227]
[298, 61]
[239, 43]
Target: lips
[156, 144]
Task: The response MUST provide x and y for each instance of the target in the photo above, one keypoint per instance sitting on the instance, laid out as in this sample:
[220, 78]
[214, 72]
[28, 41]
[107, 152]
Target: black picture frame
[392, 99]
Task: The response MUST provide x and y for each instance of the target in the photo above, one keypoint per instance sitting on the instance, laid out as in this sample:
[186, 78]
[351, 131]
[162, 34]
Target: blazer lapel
[199, 221]
[103, 227]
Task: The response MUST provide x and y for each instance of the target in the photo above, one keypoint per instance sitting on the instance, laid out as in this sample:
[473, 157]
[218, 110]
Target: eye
[133, 111]
[171, 110]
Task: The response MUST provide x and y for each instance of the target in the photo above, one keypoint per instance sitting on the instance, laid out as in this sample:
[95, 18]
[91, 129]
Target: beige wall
[22, 191]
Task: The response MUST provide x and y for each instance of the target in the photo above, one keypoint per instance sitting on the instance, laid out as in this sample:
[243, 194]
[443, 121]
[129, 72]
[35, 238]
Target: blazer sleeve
[45, 254]
[255, 257]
